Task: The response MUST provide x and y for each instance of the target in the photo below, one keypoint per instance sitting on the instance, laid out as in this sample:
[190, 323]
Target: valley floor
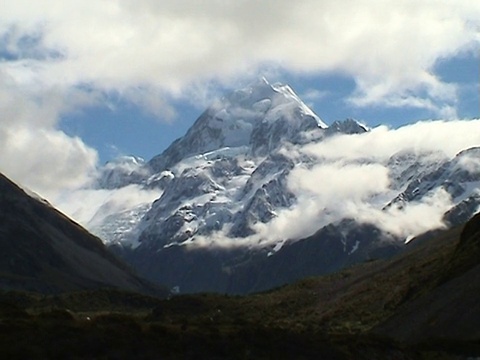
[422, 304]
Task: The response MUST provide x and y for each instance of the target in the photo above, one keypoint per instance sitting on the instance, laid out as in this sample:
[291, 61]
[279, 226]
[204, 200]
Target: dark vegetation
[422, 304]
[65, 296]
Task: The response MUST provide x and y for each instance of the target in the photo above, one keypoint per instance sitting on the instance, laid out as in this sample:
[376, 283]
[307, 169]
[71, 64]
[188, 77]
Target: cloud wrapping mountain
[259, 168]
[351, 179]
[260, 179]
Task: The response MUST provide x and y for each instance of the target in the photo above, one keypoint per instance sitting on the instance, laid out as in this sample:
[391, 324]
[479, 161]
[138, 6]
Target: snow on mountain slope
[232, 171]
[122, 171]
[228, 172]
[260, 116]
[404, 166]
[246, 178]
[459, 177]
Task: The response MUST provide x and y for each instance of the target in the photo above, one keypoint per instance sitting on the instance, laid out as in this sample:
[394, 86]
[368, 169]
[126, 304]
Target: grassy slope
[376, 310]
[451, 311]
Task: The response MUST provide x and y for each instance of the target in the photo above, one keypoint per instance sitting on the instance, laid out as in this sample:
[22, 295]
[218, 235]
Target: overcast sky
[84, 81]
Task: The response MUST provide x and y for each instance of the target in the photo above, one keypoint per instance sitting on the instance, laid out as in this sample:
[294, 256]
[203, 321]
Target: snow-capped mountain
[261, 116]
[222, 186]
[459, 177]
[348, 126]
[228, 172]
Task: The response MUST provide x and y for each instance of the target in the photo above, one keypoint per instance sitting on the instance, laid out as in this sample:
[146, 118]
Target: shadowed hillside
[422, 304]
[44, 251]
[450, 311]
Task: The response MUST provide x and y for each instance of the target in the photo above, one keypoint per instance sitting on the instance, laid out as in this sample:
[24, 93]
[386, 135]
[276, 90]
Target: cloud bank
[448, 137]
[59, 57]
[388, 47]
[351, 180]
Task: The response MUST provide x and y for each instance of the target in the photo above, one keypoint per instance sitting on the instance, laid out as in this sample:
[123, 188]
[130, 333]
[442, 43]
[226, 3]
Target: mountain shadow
[42, 250]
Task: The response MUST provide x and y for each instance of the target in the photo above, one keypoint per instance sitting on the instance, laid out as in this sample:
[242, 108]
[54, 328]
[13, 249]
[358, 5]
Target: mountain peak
[259, 116]
[348, 126]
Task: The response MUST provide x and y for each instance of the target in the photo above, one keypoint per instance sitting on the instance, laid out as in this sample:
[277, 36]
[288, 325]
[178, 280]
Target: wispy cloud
[351, 179]
[91, 207]
[310, 96]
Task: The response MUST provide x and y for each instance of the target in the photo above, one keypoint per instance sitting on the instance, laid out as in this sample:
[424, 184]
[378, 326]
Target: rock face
[349, 126]
[458, 177]
[261, 116]
[42, 250]
[230, 175]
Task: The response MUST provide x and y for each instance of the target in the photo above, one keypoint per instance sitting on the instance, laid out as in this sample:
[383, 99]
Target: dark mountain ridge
[42, 250]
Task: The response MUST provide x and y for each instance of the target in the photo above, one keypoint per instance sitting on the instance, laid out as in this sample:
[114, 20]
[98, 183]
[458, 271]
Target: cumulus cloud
[44, 168]
[34, 152]
[388, 47]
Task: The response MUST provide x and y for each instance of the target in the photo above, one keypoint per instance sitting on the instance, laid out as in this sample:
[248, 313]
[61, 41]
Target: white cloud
[34, 152]
[350, 180]
[32, 158]
[358, 181]
[380, 143]
[389, 47]
[312, 95]
[92, 206]
[414, 219]
[326, 193]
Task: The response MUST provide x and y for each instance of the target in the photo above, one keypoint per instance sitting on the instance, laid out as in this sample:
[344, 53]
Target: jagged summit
[348, 126]
[260, 116]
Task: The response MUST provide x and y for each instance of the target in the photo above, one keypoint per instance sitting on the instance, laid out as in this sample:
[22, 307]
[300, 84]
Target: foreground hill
[449, 311]
[421, 304]
[42, 250]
